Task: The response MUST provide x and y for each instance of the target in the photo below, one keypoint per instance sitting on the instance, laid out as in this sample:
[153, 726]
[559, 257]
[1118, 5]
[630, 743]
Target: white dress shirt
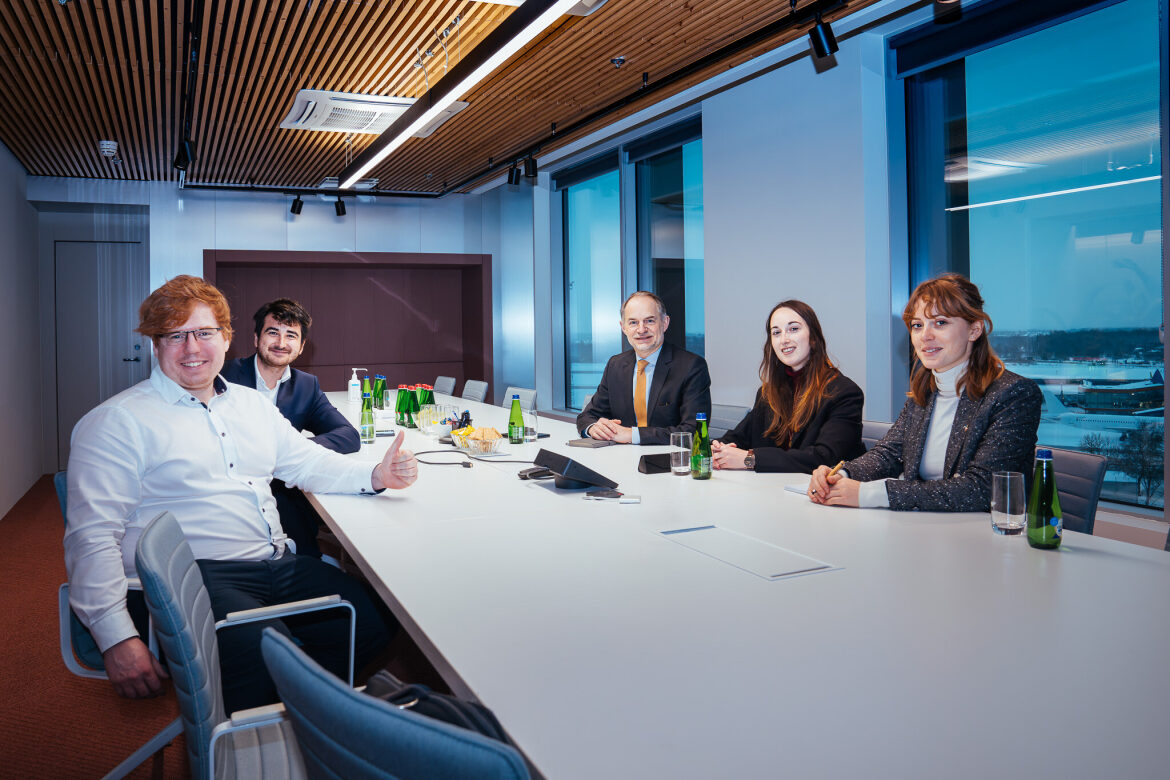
[155, 447]
[938, 435]
[262, 384]
[651, 361]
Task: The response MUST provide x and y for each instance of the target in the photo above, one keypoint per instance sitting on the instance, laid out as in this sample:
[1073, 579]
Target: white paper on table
[799, 487]
[755, 556]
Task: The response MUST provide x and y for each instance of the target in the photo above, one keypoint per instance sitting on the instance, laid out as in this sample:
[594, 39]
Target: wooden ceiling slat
[114, 68]
[33, 108]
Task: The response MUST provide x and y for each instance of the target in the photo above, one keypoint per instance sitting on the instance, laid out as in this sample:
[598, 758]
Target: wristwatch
[749, 460]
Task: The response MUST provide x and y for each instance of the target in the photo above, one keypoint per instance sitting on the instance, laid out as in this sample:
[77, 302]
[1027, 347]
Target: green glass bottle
[366, 388]
[366, 427]
[379, 391]
[1045, 522]
[400, 407]
[516, 422]
[412, 407]
[701, 449]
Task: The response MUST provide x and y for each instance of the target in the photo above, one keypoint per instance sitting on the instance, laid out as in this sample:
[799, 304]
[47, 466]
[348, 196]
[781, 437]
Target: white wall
[20, 412]
[185, 222]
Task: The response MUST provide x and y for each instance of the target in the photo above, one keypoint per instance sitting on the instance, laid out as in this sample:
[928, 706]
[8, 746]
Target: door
[99, 285]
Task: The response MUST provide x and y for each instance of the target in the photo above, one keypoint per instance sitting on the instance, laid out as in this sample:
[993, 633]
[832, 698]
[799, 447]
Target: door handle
[131, 360]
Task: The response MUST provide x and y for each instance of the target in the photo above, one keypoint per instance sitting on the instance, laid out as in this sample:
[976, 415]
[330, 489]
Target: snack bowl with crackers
[485, 441]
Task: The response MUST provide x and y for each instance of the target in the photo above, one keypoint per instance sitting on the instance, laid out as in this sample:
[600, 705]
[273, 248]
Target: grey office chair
[724, 417]
[346, 734]
[254, 743]
[81, 655]
[527, 398]
[586, 400]
[873, 431]
[1079, 478]
[445, 385]
[475, 390]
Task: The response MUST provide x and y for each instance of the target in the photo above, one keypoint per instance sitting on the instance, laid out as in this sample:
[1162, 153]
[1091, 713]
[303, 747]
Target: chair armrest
[296, 608]
[244, 720]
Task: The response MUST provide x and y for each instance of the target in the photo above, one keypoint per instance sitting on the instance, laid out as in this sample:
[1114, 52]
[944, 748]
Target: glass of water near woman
[1007, 503]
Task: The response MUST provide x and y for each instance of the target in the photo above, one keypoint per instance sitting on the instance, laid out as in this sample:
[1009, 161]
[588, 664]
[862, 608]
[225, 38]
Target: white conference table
[933, 649]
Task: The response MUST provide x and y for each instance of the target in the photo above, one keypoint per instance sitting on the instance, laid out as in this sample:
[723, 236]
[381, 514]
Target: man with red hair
[189, 442]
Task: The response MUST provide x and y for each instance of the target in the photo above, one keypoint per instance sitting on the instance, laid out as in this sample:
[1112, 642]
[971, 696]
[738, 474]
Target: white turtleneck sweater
[934, 452]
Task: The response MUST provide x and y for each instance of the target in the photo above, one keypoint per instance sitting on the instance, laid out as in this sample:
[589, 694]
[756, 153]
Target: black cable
[461, 463]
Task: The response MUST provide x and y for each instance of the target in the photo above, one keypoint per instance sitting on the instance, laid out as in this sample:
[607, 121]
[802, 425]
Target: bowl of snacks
[484, 441]
[459, 436]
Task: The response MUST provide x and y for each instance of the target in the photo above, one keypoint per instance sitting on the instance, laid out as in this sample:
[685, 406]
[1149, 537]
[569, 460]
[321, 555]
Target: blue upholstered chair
[872, 432]
[254, 743]
[475, 390]
[724, 417]
[1079, 479]
[346, 734]
[81, 655]
[527, 398]
[445, 385]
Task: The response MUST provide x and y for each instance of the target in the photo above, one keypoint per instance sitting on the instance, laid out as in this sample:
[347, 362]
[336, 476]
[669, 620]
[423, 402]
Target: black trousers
[324, 635]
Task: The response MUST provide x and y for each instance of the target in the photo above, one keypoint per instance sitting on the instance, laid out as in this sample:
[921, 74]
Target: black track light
[339, 207]
[185, 156]
[513, 176]
[947, 11]
[823, 41]
[529, 168]
[297, 205]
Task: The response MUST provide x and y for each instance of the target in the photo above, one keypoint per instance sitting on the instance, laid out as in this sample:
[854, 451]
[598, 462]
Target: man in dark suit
[281, 330]
[652, 391]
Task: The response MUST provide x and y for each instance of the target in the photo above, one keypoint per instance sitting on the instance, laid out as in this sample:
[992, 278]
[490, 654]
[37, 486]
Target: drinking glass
[531, 426]
[680, 453]
[1007, 503]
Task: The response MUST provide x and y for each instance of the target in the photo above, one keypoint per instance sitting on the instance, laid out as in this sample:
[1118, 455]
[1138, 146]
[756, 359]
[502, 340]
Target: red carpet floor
[53, 724]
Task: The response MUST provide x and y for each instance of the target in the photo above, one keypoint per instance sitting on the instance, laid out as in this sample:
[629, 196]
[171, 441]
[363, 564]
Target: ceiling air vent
[348, 112]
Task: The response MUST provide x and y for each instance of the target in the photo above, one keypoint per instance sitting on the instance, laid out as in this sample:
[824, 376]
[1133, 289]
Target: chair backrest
[82, 644]
[445, 385]
[527, 398]
[344, 733]
[873, 431]
[724, 417]
[1079, 478]
[585, 401]
[181, 609]
[475, 390]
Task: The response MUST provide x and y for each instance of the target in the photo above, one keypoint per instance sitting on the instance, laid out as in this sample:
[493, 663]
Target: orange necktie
[640, 394]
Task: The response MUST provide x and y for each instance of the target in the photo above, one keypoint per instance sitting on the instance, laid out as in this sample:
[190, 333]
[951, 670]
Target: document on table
[800, 488]
[758, 557]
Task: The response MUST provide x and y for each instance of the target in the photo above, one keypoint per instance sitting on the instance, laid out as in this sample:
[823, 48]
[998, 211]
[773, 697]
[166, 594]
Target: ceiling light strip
[1053, 194]
[515, 32]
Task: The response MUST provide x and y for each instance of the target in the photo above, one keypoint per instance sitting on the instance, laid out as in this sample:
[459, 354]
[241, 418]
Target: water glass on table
[1007, 503]
[531, 425]
[680, 453]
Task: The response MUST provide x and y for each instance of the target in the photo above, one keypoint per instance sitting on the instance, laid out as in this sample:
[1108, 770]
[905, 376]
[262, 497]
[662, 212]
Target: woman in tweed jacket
[966, 417]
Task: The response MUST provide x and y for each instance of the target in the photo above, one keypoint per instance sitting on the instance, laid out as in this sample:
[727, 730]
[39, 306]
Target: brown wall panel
[409, 316]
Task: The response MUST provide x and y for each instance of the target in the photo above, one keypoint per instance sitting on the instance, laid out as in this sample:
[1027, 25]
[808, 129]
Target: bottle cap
[379, 376]
[701, 416]
[515, 396]
[1043, 454]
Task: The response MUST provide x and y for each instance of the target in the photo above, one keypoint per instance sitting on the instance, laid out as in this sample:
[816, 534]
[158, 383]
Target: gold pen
[836, 468]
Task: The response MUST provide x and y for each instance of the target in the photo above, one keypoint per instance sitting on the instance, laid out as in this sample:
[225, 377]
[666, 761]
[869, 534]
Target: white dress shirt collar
[262, 386]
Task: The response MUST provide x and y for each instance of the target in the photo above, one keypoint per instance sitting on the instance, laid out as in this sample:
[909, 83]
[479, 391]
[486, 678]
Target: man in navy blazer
[281, 330]
[652, 391]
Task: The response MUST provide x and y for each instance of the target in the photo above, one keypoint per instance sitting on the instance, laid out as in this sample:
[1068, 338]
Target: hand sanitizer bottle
[355, 387]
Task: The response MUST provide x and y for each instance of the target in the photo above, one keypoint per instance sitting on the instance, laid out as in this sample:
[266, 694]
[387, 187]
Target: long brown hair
[954, 295]
[790, 411]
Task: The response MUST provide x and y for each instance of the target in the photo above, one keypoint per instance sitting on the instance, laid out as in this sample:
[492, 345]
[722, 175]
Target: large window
[593, 282]
[1035, 169]
[632, 219]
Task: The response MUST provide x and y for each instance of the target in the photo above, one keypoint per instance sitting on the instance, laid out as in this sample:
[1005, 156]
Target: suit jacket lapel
[916, 439]
[960, 430]
[661, 371]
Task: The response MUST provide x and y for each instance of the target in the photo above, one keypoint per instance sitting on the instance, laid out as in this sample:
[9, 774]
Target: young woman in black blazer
[806, 411]
[966, 417]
